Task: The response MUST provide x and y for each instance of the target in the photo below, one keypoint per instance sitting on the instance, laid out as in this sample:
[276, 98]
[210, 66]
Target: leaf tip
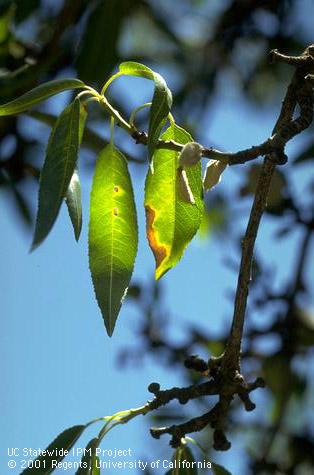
[77, 234]
[35, 244]
[109, 331]
[109, 325]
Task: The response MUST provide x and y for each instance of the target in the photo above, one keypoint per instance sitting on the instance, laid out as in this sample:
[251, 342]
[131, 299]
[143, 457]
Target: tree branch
[299, 92]
[233, 348]
[224, 371]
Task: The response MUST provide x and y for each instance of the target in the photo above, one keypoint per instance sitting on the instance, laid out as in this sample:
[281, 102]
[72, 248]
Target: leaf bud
[154, 388]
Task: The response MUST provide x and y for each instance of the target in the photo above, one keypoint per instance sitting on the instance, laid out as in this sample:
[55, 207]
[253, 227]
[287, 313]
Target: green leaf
[59, 166]
[131, 68]
[91, 139]
[73, 201]
[101, 37]
[219, 470]
[6, 16]
[112, 233]
[88, 461]
[171, 221]
[73, 197]
[56, 451]
[96, 466]
[39, 94]
[161, 102]
[25, 9]
[183, 462]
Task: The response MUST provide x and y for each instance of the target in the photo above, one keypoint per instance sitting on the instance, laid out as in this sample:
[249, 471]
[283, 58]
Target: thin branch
[300, 91]
[225, 370]
[232, 353]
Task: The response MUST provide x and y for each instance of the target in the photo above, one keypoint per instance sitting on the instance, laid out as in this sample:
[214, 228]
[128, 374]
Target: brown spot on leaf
[160, 252]
[115, 211]
[116, 189]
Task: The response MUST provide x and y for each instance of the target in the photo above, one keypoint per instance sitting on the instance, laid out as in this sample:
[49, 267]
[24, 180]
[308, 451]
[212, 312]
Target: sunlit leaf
[171, 221]
[118, 415]
[161, 102]
[91, 140]
[59, 166]
[39, 94]
[131, 68]
[112, 233]
[56, 451]
[73, 197]
[73, 200]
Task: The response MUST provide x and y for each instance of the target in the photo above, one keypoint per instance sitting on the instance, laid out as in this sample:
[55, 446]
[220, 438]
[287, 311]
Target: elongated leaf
[91, 139]
[161, 102]
[56, 451]
[73, 197]
[131, 68]
[101, 37]
[219, 470]
[88, 461]
[171, 219]
[96, 466]
[160, 108]
[73, 200]
[39, 94]
[112, 233]
[183, 462]
[6, 16]
[58, 169]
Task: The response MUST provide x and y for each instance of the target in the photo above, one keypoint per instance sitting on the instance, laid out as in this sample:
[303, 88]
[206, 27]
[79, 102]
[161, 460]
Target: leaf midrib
[68, 147]
[111, 253]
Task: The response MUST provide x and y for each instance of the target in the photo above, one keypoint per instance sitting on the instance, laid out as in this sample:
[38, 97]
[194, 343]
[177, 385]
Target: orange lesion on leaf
[160, 251]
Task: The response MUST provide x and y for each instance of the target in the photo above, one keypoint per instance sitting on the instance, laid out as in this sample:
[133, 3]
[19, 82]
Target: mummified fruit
[213, 173]
[190, 154]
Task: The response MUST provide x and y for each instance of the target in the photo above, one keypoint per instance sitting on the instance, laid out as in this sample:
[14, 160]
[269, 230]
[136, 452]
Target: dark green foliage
[39, 94]
[88, 461]
[98, 49]
[58, 450]
[59, 166]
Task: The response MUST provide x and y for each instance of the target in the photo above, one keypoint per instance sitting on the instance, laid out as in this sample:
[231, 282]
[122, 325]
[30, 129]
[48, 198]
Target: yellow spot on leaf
[160, 251]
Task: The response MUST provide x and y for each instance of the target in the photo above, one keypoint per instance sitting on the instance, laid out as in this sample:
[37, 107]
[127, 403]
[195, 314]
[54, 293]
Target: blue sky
[58, 366]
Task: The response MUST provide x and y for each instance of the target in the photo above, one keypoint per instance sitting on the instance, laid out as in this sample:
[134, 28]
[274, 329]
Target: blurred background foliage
[204, 47]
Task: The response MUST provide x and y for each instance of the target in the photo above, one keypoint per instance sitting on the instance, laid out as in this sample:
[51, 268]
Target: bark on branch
[225, 372]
